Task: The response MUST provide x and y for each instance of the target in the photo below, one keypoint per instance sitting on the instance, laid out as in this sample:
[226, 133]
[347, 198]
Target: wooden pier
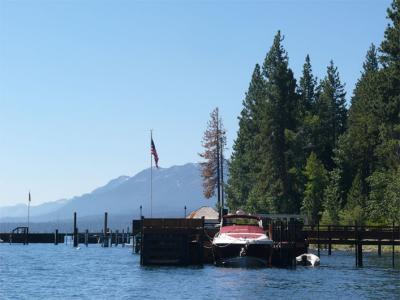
[172, 242]
[356, 236]
[188, 241]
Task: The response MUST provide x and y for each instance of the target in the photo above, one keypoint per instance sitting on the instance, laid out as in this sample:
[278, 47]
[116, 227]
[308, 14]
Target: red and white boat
[242, 242]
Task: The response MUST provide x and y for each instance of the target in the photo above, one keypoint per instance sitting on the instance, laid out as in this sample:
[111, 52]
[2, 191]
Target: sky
[83, 82]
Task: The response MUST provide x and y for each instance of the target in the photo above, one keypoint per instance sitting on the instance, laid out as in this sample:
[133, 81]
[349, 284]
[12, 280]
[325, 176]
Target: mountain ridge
[173, 188]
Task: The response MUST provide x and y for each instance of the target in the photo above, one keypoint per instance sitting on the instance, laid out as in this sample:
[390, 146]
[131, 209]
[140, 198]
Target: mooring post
[75, 232]
[356, 242]
[127, 234]
[359, 245]
[133, 238]
[330, 241]
[379, 248]
[56, 237]
[319, 248]
[86, 237]
[27, 236]
[393, 244]
[141, 240]
[105, 233]
[116, 237]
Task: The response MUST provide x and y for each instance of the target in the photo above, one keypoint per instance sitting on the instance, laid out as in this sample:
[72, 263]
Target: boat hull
[239, 255]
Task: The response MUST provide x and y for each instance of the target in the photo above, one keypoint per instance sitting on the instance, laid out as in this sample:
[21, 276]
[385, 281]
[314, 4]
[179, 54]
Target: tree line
[301, 149]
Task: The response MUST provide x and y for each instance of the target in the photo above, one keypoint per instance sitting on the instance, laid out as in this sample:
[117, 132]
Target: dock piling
[105, 233]
[330, 241]
[75, 232]
[319, 248]
[86, 237]
[355, 242]
[56, 237]
[393, 244]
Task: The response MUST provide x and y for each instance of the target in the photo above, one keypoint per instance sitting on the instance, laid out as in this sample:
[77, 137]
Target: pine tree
[355, 208]
[306, 90]
[301, 141]
[333, 198]
[244, 166]
[371, 61]
[314, 189]
[365, 116]
[390, 46]
[213, 141]
[274, 182]
[332, 114]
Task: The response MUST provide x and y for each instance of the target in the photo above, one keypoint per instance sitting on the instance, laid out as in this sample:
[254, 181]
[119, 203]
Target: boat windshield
[241, 221]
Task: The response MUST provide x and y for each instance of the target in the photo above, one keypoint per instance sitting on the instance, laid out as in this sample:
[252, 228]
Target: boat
[308, 259]
[242, 242]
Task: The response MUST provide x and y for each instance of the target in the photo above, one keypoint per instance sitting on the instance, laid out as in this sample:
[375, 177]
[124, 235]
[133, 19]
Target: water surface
[43, 271]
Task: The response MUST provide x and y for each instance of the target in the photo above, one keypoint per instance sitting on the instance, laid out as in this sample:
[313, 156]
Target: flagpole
[151, 177]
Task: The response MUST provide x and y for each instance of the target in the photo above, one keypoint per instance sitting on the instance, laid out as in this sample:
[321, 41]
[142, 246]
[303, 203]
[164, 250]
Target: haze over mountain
[173, 188]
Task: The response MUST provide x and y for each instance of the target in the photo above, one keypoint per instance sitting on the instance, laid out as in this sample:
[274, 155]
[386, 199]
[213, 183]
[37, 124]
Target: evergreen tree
[365, 116]
[390, 46]
[301, 142]
[314, 189]
[332, 115]
[355, 207]
[244, 165]
[371, 61]
[333, 198]
[306, 90]
[383, 200]
[274, 182]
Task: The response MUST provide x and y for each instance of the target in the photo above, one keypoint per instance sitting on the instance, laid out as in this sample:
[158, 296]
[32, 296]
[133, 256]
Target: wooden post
[379, 248]
[141, 241]
[356, 242]
[75, 232]
[330, 241]
[133, 239]
[56, 237]
[26, 236]
[86, 237]
[116, 238]
[201, 242]
[360, 251]
[105, 233]
[123, 241]
[319, 250]
[393, 244]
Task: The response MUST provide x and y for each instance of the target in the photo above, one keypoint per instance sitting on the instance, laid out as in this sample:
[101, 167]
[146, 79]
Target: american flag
[154, 152]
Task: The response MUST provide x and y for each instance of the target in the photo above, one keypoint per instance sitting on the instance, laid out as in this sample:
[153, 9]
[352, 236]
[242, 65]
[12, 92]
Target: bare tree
[214, 141]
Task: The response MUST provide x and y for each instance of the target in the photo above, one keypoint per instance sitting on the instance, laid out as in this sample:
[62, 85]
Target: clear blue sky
[82, 82]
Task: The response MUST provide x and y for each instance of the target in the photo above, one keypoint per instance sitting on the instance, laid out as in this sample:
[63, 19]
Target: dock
[184, 242]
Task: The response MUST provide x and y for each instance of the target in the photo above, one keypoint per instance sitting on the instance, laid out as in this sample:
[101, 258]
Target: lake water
[41, 271]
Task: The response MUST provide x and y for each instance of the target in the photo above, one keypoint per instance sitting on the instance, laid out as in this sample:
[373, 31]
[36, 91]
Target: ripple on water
[60, 272]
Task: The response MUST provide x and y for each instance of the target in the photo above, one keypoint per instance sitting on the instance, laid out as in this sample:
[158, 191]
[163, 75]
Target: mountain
[21, 210]
[173, 189]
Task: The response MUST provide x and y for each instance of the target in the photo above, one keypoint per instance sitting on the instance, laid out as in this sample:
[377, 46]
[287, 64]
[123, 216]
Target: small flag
[154, 152]
[29, 196]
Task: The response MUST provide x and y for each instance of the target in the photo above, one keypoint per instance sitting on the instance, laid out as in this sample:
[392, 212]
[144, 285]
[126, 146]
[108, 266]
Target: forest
[304, 146]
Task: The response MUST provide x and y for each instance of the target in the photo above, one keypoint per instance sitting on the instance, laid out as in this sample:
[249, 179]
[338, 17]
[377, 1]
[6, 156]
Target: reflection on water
[61, 272]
